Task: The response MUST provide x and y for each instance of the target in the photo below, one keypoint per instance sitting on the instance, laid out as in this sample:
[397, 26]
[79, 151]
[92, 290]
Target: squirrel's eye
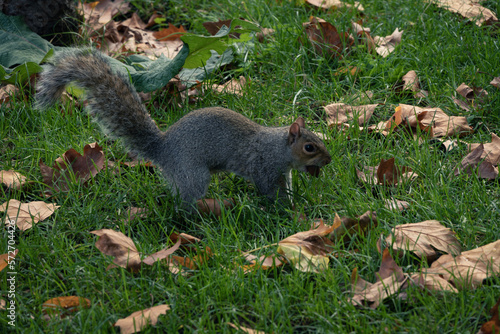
[309, 148]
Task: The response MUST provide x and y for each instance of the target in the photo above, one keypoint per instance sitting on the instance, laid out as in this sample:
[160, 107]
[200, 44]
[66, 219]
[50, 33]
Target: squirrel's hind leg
[191, 184]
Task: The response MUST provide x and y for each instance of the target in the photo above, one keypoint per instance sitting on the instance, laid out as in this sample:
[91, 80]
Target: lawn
[288, 78]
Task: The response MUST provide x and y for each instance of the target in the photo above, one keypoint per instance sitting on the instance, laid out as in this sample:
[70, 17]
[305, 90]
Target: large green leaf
[21, 50]
[201, 47]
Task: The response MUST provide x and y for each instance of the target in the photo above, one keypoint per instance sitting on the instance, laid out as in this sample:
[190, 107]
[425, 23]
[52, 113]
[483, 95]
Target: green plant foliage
[201, 47]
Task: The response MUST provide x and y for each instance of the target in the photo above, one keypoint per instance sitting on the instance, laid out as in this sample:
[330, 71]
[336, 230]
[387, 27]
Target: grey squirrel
[202, 142]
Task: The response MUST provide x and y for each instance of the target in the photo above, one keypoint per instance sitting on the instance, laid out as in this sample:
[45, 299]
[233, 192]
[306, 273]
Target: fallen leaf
[169, 34]
[334, 4]
[121, 247]
[151, 259]
[386, 45]
[325, 37]
[62, 306]
[3, 304]
[97, 15]
[495, 82]
[426, 239]
[473, 162]
[214, 27]
[308, 251]
[212, 206]
[134, 212]
[395, 204]
[6, 259]
[441, 124]
[83, 167]
[185, 238]
[263, 262]
[469, 269]
[233, 86]
[137, 321]
[491, 151]
[492, 326]
[432, 282]
[11, 179]
[469, 9]
[474, 96]
[388, 267]
[27, 214]
[245, 329]
[386, 173]
[411, 84]
[7, 92]
[390, 282]
[264, 34]
[345, 228]
[338, 113]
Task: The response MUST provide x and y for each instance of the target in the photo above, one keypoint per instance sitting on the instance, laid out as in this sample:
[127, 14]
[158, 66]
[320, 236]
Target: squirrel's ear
[293, 133]
[300, 121]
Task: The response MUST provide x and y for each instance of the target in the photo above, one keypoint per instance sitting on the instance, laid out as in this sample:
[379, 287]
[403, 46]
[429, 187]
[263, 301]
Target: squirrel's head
[308, 150]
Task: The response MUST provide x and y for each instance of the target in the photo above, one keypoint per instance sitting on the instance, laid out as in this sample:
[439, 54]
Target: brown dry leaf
[27, 214]
[386, 45]
[245, 329]
[185, 238]
[469, 9]
[470, 268]
[426, 239]
[390, 282]
[121, 247]
[447, 145]
[208, 206]
[6, 93]
[474, 96]
[214, 27]
[131, 36]
[308, 251]
[62, 306]
[495, 82]
[134, 212]
[325, 37]
[83, 167]
[395, 204]
[345, 228]
[151, 259]
[11, 179]
[388, 267]
[338, 113]
[233, 86]
[352, 70]
[334, 4]
[264, 34]
[97, 15]
[491, 151]
[432, 282]
[386, 173]
[474, 162]
[440, 123]
[492, 326]
[6, 259]
[137, 321]
[3, 304]
[169, 34]
[411, 84]
[263, 262]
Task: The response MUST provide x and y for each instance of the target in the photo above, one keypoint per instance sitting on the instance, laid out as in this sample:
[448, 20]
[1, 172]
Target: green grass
[58, 257]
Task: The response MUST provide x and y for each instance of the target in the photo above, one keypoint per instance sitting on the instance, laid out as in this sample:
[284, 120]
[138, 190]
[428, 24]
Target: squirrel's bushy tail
[112, 100]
